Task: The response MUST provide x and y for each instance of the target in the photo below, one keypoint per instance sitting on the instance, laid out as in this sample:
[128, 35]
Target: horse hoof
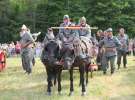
[59, 93]
[83, 93]
[48, 93]
[71, 93]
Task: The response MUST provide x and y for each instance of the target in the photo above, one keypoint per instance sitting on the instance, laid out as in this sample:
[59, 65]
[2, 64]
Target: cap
[100, 31]
[49, 29]
[66, 17]
[83, 19]
[109, 30]
[24, 27]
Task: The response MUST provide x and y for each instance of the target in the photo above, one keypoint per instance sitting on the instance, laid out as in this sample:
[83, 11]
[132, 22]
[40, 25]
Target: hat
[24, 27]
[49, 29]
[109, 30]
[100, 31]
[83, 18]
[66, 17]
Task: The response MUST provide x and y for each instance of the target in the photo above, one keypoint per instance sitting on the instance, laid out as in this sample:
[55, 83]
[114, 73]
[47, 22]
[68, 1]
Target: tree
[38, 15]
[113, 13]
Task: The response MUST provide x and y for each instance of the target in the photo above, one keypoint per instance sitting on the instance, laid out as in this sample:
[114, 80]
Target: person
[100, 35]
[85, 30]
[110, 43]
[2, 59]
[66, 23]
[12, 48]
[27, 52]
[17, 48]
[133, 47]
[122, 51]
[49, 36]
[66, 36]
[130, 47]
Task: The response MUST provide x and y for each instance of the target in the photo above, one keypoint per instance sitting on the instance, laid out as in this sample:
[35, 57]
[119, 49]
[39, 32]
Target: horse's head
[52, 51]
[77, 47]
[82, 48]
[68, 56]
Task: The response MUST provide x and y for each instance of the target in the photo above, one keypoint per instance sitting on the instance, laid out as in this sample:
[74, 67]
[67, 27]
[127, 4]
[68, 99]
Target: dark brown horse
[83, 54]
[50, 59]
[78, 55]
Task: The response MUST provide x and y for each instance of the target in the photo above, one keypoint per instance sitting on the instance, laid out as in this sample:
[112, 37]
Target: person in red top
[17, 48]
[2, 60]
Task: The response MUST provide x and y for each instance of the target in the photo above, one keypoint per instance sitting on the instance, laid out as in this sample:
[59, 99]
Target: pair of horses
[75, 54]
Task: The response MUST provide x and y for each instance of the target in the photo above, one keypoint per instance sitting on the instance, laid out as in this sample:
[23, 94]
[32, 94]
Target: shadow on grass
[129, 97]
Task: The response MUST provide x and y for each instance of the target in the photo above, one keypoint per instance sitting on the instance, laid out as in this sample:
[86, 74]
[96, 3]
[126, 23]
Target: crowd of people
[13, 49]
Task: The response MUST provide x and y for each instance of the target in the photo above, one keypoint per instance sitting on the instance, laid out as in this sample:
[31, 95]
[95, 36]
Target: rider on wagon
[66, 23]
[66, 36]
[85, 30]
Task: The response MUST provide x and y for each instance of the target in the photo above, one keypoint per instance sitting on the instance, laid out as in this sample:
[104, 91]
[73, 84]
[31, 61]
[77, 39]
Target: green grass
[15, 85]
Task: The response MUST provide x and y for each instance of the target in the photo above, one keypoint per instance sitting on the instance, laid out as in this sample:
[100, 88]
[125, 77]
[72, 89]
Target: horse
[76, 54]
[83, 53]
[50, 59]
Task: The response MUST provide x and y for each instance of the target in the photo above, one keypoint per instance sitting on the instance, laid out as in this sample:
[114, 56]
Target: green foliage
[38, 15]
[112, 13]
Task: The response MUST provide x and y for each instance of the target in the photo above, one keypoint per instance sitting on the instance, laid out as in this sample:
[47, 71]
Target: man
[66, 36]
[49, 36]
[85, 30]
[100, 57]
[110, 44]
[122, 51]
[27, 53]
[66, 23]
[133, 47]
[98, 35]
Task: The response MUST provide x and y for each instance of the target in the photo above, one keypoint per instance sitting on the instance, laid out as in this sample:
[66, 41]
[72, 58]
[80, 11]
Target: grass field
[15, 85]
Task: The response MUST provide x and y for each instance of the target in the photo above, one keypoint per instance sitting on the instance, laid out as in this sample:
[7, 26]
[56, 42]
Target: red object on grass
[93, 67]
[2, 60]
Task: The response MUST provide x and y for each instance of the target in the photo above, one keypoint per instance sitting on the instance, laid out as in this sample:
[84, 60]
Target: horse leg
[49, 78]
[59, 81]
[55, 77]
[55, 80]
[71, 81]
[82, 72]
[87, 74]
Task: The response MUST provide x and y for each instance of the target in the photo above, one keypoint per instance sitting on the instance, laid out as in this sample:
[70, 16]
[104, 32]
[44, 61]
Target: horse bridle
[85, 45]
